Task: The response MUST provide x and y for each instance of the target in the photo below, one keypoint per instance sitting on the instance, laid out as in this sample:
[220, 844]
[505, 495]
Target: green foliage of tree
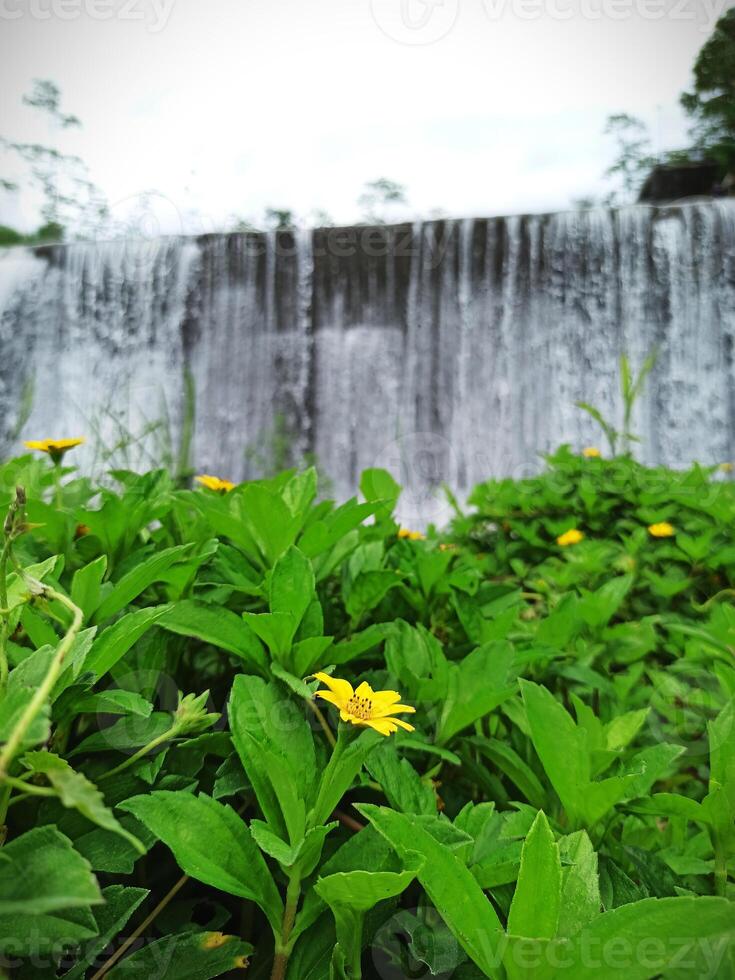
[70, 198]
[633, 158]
[378, 196]
[711, 103]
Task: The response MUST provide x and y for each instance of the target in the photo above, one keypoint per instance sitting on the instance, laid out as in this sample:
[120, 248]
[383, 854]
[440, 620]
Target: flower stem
[13, 519]
[57, 484]
[153, 744]
[43, 691]
[121, 950]
[720, 869]
[322, 721]
[5, 613]
[283, 946]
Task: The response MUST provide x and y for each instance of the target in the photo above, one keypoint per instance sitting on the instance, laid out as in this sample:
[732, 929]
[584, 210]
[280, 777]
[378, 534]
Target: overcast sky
[228, 106]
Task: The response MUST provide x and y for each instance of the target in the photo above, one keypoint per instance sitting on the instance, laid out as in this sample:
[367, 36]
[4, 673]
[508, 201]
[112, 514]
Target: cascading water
[444, 351]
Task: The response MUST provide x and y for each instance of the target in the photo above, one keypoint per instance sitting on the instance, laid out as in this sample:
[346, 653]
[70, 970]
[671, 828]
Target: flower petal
[382, 699]
[390, 709]
[332, 698]
[384, 726]
[343, 689]
[365, 691]
[400, 722]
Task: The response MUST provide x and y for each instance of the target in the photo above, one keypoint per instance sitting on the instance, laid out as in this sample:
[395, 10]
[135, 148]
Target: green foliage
[711, 103]
[565, 806]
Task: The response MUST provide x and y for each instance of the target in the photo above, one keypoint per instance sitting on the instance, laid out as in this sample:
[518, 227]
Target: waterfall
[445, 351]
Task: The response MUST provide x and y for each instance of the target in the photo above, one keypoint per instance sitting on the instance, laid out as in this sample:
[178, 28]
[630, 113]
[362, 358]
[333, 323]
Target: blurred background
[407, 233]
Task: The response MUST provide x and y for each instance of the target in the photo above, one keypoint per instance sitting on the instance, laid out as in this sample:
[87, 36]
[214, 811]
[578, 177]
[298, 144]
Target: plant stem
[4, 612]
[283, 947]
[153, 744]
[28, 788]
[356, 964]
[57, 484]
[322, 721]
[720, 869]
[171, 893]
[43, 691]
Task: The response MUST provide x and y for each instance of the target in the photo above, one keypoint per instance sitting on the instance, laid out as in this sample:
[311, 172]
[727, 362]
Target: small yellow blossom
[365, 706]
[661, 530]
[573, 536]
[404, 532]
[215, 483]
[54, 447]
[726, 467]
[446, 546]
[591, 452]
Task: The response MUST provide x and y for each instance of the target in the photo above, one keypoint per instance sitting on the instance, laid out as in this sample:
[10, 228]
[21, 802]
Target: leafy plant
[553, 796]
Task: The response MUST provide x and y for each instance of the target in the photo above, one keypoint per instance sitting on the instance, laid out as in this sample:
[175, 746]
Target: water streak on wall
[445, 351]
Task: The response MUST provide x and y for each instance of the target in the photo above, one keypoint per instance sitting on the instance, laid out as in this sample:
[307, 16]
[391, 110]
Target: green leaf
[276, 748]
[77, 792]
[114, 702]
[559, 744]
[13, 706]
[403, 787]
[640, 940]
[362, 890]
[580, 897]
[269, 521]
[345, 762]
[534, 911]
[291, 587]
[377, 485]
[450, 886]
[86, 585]
[477, 685]
[598, 608]
[114, 642]
[110, 918]
[507, 760]
[40, 872]
[210, 843]
[307, 852]
[350, 895]
[185, 956]
[216, 625]
[367, 590]
[138, 579]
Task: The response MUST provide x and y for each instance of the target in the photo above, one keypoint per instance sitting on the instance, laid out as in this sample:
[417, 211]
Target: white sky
[228, 106]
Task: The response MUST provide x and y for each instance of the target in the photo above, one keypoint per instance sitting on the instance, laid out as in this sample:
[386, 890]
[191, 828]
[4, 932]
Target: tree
[378, 195]
[634, 158]
[711, 103]
[279, 219]
[70, 199]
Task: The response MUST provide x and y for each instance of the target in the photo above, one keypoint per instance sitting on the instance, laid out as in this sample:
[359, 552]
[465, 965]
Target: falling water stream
[446, 351]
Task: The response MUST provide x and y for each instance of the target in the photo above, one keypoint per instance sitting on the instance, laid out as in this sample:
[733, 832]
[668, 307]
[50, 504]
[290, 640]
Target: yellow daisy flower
[54, 447]
[591, 452]
[215, 483]
[661, 530]
[404, 532]
[726, 467]
[572, 536]
[365, 706]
